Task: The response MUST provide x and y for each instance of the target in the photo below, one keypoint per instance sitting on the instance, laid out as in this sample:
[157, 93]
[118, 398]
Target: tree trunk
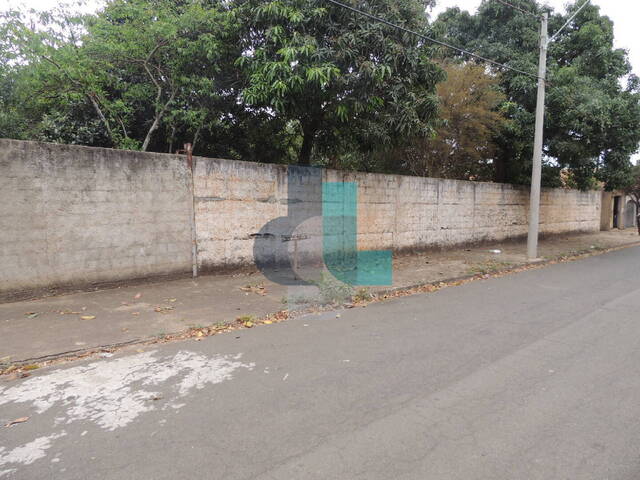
[500, 170]
[98, 110]
[154, 127]
[308, 136]
[156, 123]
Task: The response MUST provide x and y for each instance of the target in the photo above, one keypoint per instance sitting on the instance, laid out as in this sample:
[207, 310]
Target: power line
[575, 14]
[432, 40]
[522, 10]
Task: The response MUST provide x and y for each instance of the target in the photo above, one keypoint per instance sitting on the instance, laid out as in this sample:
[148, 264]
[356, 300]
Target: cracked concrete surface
[528, 376]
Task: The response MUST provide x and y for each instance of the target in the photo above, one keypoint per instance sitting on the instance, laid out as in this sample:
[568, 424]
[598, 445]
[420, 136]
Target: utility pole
[536, 174]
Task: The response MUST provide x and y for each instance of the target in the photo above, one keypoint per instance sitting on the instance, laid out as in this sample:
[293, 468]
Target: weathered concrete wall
[234, 200]
[77, 215]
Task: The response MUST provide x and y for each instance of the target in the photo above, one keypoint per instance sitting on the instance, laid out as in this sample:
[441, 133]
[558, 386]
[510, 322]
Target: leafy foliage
[592, 122]
[348, 85]
[463, 145]
[306, 81]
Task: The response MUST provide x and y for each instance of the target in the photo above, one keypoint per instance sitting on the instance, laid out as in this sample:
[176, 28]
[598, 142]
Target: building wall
[606, 212]
[78, 215]
[626, 211]
[74, 215]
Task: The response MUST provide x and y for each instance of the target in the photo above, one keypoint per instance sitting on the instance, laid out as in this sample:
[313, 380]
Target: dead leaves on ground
[257, 289]
[163, 309]
[16, 421]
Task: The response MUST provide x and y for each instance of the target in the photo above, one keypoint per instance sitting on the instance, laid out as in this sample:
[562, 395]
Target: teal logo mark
[340, 240]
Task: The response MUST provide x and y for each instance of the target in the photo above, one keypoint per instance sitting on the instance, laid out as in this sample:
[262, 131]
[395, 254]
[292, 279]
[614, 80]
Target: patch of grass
[332, 290]
[362, 295]
[487, 268]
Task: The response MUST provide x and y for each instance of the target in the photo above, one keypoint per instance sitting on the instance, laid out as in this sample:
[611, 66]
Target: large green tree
[593, 102]
[141, 74]
[135, 67]
[343, 82]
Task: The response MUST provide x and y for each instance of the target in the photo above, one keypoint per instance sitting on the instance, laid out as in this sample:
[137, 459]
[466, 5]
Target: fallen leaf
[267, 322]
[88, 317]
[135, 313]
[16, 421]
[248, 324]
[30, 367]
[163, 309]
[259, 289]
[172, 300]
[32, 314]
[137, 296]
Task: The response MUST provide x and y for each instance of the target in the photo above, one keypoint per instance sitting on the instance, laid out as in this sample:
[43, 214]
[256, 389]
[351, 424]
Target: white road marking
[111, 393]
[27, 453]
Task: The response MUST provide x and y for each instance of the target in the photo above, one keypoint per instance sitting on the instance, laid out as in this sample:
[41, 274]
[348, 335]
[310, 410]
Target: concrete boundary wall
[234, 200]
[73, 215]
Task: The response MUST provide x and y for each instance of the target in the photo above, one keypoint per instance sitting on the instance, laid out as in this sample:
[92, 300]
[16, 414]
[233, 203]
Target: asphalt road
[534, 375]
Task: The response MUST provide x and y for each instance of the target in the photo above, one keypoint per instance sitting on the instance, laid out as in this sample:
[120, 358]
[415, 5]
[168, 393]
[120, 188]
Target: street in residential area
[532, 375]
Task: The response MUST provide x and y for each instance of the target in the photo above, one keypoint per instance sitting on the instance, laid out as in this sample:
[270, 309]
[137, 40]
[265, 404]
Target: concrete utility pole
[536, 174]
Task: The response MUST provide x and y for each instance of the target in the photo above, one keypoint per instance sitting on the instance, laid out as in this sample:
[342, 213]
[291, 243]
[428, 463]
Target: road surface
[534, 375]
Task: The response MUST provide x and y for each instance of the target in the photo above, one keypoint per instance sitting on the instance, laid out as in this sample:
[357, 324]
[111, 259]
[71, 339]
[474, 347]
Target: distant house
[618, 211]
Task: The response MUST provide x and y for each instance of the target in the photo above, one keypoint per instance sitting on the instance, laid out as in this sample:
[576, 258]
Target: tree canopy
[305, 81]
[463, 146]
[592, 123]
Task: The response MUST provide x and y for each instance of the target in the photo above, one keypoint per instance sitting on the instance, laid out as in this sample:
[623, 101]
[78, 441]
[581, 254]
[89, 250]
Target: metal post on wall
[188, 150]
